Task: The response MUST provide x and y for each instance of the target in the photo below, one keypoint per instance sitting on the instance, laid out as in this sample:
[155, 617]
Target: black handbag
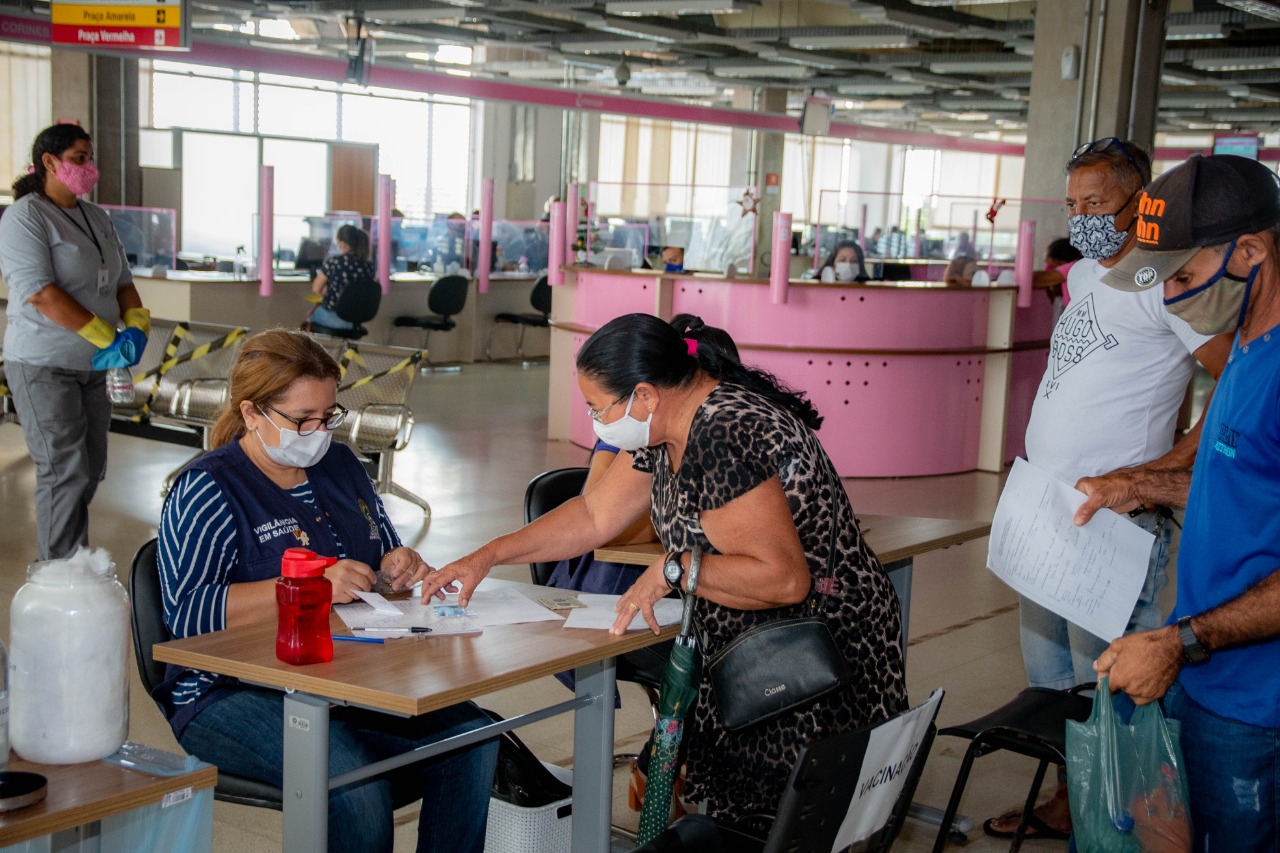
[778, 666]
[520, 778]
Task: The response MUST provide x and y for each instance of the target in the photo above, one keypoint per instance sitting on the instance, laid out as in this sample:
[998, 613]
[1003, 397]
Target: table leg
[306, 773]
[900, 575]
[593, 758]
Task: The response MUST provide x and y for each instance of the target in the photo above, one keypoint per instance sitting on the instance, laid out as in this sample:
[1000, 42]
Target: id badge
[104, 281]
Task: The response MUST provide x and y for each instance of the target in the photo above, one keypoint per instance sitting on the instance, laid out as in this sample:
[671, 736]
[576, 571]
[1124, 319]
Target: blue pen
[351, 639]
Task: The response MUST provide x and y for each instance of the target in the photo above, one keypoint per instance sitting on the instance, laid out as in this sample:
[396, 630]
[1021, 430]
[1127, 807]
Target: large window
[647, 166]
[424, 142]
[25, 100]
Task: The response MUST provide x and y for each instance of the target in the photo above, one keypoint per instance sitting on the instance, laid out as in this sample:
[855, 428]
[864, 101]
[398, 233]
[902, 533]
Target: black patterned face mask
[1095, 235]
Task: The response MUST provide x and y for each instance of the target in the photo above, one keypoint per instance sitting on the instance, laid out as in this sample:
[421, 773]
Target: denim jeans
[1232, 776]
[325, 317]
[242, 733]
[1059, 654]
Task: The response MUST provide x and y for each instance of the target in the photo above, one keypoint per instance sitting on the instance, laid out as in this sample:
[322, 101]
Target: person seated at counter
[960, 271]
[844, 264]
[673, 258]
[1059, 258]
[351, 267]
[274, 468]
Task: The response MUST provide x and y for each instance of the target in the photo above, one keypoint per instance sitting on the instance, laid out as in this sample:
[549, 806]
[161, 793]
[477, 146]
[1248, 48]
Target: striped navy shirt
[197, 554]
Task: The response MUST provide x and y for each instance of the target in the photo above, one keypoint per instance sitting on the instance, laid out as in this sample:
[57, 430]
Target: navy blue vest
[269, 519]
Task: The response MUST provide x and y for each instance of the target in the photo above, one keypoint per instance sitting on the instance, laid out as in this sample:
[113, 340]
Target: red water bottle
[304, 595]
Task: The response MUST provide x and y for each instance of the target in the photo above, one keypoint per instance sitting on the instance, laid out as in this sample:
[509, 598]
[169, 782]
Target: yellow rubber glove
[138, 318]
[98, 332]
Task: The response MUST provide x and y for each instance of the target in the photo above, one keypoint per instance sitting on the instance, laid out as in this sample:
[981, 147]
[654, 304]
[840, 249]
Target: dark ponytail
[52, 140]
[357, 239]
[637, 348]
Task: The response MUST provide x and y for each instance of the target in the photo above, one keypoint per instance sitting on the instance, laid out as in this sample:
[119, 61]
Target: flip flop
[1036, 828]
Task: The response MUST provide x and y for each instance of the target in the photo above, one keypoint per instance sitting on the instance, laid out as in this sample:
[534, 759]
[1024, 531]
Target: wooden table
[896, 539]
[84, 794]
[416, 675]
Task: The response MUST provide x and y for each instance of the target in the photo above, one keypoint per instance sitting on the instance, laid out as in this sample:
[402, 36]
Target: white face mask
[626, 433]
[296, 451]
[844, 271]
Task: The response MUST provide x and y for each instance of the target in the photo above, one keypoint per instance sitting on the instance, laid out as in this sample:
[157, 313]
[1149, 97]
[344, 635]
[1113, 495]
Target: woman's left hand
[403, 567]
[648, 589]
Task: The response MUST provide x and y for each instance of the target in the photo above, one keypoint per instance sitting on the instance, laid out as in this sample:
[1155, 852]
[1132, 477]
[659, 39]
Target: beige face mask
[1218, 305]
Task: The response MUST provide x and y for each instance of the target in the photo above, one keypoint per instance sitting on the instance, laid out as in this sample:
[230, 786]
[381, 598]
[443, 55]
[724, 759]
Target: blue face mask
[674, 268]
[1217, 306]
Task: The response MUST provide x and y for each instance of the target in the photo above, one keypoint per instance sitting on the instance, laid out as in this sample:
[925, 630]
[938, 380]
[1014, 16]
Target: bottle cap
[301, 563]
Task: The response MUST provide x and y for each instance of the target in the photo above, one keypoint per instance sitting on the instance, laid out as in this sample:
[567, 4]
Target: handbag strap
[826, 585]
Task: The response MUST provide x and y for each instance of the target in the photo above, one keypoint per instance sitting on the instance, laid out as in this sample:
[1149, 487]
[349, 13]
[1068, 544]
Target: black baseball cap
[1205, 201]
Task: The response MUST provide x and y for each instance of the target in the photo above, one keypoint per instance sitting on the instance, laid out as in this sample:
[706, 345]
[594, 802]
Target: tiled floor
[480, 436]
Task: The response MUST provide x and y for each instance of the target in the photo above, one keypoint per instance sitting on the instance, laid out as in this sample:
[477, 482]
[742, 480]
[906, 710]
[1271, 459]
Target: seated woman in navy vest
[274, 481]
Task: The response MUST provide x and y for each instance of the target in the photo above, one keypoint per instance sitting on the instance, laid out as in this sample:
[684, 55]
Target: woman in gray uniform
[69, 288]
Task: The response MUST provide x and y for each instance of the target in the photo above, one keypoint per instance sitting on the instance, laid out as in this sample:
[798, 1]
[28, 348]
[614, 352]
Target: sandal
[1036, 828]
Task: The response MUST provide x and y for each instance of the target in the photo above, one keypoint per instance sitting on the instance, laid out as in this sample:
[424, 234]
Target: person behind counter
[69, 287]
[275, 467]
[351, 267]
[673, 258]
[844, 264]
[960, 271]
[724, 458]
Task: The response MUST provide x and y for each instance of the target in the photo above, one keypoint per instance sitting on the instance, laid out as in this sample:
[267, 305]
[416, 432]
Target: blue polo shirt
[1231, 538]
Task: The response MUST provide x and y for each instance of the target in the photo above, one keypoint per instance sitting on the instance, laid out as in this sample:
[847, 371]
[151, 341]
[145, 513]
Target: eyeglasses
[1098, 146]
[306, 426]
[596, 416]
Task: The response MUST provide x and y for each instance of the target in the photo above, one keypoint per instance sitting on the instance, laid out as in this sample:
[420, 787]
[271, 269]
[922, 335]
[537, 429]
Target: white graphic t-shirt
[1118, 368]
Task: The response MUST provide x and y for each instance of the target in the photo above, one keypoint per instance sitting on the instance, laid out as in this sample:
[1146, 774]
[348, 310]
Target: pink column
[555, 248]
[386, 190]
[572, 211]
[780, 266]
[266, 229]
[863, 229]
[486, 235]
[1024, 261]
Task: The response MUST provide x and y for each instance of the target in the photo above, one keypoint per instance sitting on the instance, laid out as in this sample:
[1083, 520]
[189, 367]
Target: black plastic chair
[357, 304]
[813, 806]
[446, 299]
[540, 299]
[1034, 724]
[147, 618]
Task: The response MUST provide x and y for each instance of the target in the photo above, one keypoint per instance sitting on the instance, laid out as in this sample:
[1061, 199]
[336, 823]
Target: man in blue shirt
[1210, 231]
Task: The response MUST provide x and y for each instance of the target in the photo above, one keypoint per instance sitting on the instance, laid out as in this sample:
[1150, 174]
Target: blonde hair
[268, 365]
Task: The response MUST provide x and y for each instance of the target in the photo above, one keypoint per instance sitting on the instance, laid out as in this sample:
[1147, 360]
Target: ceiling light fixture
[1262, 8]
[1236, 63]
[678, 7]
[761, 70]
[854, 42]
[1195, 32]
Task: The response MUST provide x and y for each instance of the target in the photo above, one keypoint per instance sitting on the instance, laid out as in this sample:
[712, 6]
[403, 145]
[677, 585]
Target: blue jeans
[1059, 654]
[1232, 771]
[242, 733]
[326, 317]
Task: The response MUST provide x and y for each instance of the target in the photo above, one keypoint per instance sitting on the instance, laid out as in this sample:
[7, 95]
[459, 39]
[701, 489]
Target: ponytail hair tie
[692, 346]
[31, 170]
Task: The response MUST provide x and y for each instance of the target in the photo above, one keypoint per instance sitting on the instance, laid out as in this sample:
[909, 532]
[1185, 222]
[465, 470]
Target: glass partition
[714, 224]
[149, 234]
[303, 242]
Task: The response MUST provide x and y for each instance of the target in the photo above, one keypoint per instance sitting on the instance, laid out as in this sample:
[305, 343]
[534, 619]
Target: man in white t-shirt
[1119, 365]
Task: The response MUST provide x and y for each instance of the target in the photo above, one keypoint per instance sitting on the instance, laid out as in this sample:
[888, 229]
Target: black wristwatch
[673, 569]
[1191, 648]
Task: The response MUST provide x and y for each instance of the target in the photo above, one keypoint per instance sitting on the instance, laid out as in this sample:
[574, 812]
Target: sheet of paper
[410, 613]
[377, 602]
[597, 612]
[491, 606]
[1089, 575]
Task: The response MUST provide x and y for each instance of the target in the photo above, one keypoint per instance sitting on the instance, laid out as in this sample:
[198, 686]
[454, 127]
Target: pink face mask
[80, 179]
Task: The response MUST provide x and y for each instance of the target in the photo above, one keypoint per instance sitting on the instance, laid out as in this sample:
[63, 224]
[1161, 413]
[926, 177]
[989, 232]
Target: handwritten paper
[1089, 575]
[597, 612]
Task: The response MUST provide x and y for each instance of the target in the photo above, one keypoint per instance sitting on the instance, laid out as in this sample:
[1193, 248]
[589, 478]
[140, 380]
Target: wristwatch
[673, 569]
[1191, 648]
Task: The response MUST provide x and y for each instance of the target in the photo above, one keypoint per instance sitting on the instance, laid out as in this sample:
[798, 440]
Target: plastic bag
[1127, 782]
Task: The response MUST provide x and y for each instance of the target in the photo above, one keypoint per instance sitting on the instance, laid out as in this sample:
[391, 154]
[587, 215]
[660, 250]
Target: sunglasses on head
[1098, 146]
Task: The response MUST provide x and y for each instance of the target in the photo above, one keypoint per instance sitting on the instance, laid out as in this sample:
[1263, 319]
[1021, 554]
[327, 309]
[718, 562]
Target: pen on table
[416, 629]
[351, 639]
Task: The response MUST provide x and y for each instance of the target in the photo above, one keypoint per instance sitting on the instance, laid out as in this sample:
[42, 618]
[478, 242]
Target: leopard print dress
[738, 440]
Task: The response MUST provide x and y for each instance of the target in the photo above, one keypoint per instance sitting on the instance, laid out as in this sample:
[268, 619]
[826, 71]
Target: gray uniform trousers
[65, 416]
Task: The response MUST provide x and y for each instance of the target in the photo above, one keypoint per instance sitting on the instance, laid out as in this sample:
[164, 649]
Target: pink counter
[913, 378]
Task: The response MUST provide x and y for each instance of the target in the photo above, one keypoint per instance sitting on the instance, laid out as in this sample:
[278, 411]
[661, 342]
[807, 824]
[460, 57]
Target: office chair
[540, 299]
[147, 622]
[544, 493]
[446, 299]
[1033, 723]
[814, 804]
[357, 304]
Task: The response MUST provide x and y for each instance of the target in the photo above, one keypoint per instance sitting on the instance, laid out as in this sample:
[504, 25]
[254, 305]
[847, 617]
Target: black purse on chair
[776, 667]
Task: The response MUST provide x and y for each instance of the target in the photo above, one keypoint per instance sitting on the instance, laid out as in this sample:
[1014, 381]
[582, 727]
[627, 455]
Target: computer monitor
[1242, 146]
[311, 255]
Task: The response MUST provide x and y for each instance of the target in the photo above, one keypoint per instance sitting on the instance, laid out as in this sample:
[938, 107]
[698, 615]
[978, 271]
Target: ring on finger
[634, 606]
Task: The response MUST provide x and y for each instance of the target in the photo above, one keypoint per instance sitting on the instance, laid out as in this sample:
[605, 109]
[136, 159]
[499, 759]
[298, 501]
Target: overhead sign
[112, 24]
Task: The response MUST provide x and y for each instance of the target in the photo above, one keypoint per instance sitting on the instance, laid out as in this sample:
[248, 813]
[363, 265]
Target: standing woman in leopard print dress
[726, 458]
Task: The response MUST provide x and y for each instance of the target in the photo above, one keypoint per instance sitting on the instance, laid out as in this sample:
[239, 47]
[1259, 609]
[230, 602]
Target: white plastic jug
[69, 651]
